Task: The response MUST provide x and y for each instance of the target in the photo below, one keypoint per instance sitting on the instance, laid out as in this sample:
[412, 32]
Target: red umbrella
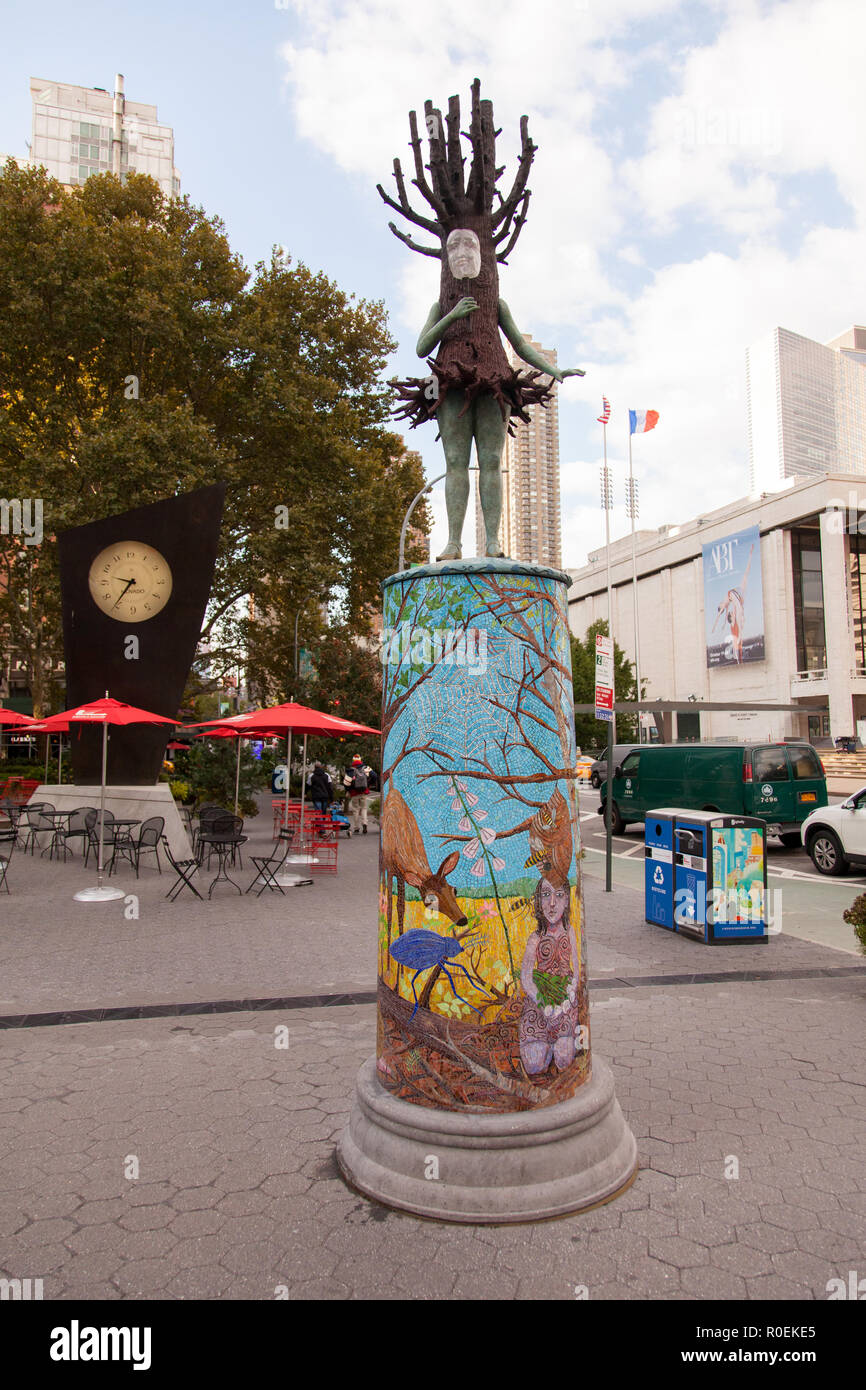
[11, 716]
[104, 712]
[291, 718]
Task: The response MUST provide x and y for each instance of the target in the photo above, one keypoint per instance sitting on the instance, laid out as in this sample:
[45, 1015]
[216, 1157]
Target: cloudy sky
[700, 179]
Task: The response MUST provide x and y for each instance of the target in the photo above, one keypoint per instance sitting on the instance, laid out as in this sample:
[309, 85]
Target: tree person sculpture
[473, 391]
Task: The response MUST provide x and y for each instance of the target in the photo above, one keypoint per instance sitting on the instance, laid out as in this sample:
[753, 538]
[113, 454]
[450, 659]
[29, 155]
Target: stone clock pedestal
[126, 802]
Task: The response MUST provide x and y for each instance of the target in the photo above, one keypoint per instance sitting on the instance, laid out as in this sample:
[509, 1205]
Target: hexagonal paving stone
[673, 1250]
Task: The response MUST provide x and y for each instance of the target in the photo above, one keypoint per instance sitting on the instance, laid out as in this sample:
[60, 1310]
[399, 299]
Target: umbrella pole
[303, 784]
[238, 775]
[47, 751]
[288, 778]
[59, 759]
[102, 803]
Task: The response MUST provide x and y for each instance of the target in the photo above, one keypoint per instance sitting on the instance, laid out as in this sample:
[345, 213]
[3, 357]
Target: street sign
[603, 677]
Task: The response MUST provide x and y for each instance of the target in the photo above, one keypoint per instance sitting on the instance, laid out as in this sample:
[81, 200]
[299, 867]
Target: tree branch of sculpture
[434, 251]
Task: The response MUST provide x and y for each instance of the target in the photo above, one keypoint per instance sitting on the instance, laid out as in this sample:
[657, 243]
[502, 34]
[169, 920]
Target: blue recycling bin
[659, 879]
[706, 874]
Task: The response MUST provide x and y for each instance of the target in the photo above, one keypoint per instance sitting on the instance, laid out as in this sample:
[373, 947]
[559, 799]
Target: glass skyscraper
[806, 406]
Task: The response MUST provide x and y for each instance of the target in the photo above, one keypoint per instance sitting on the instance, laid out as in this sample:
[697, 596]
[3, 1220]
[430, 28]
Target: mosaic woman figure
[472, 391]
[550, 981]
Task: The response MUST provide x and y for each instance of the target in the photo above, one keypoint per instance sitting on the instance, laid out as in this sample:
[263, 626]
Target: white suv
[835, 836]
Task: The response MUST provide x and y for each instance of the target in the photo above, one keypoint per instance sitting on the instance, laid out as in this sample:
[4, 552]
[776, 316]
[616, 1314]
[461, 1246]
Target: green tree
[139, 359]
[591, 732]
[211, 769]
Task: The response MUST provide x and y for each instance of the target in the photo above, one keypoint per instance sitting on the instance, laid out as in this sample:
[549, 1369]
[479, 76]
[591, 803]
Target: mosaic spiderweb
[451, 701]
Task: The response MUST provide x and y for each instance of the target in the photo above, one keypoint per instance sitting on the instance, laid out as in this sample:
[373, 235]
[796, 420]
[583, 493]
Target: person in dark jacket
[321, 789]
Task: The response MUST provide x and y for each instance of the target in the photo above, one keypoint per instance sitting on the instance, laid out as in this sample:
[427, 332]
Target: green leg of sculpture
[456, 431]
[482, 422]
[489, 440]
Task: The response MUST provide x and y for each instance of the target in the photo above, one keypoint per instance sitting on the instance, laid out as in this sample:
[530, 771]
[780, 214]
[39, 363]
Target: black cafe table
[224, 845]
[58, 834]
[117, 834]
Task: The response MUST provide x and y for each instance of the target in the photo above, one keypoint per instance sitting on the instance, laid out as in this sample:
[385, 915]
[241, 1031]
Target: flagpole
[632, 507]
[608, 499]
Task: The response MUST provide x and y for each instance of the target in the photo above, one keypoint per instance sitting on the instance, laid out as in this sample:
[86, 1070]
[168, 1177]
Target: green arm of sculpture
[526, 351]
[435, 326]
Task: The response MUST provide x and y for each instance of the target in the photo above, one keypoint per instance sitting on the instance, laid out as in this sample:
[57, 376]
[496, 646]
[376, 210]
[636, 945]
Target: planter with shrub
[855, 916]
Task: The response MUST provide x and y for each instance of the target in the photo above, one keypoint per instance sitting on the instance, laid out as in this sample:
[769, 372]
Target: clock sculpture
[135, 588]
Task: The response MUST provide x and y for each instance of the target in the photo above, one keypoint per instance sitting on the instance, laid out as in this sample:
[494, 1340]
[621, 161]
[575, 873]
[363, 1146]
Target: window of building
[808, 599]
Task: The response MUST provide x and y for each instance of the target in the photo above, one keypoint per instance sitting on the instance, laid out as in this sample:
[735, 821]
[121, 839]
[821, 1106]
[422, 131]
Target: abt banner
[734, 599]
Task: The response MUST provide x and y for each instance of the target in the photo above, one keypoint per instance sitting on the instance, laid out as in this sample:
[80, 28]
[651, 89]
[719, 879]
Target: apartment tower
[531, 528]
[79, 131]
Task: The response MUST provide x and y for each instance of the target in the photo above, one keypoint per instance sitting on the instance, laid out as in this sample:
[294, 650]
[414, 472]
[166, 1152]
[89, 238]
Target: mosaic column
[483, 1017]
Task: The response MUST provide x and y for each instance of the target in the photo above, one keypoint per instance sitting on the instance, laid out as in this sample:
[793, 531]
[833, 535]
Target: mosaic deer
[404, 857]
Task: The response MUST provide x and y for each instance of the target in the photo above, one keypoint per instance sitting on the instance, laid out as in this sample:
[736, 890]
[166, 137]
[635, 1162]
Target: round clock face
[130, 581]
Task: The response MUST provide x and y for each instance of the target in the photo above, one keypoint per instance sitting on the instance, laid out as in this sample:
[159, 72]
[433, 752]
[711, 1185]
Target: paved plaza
[181, 1144]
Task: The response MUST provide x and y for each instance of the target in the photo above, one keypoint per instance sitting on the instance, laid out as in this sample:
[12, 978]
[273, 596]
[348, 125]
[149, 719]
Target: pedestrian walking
[355, 782]
[321, 789]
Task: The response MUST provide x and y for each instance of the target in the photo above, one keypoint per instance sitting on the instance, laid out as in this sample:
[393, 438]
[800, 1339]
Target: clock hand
[128, 584]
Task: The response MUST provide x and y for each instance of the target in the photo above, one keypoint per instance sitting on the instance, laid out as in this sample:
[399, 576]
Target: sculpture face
[464, 254]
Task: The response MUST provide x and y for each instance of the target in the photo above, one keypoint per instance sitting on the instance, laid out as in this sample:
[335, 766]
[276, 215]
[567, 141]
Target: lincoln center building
[763, 600]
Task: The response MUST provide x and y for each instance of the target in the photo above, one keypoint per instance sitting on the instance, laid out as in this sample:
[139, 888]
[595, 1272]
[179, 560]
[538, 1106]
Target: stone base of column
[491, 1168]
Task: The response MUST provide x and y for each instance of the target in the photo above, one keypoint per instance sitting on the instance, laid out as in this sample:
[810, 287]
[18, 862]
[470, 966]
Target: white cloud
[778, 93]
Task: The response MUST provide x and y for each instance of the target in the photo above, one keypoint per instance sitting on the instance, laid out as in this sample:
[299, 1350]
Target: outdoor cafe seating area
[304, 838]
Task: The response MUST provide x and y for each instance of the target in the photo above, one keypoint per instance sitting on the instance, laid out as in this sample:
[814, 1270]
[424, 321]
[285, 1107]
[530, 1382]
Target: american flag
[604, 417]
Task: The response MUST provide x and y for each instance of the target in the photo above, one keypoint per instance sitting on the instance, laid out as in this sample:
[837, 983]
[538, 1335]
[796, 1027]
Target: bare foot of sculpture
[452, 551]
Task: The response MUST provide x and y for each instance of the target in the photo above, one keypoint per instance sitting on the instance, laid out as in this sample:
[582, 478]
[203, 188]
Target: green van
[780, 782]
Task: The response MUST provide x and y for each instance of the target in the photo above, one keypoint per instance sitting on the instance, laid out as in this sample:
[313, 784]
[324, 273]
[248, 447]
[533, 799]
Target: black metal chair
[7, 838]
[184, 868]
[93, 837]
[81, 822]
[39, 819]
[148, 840]
[266, 867]
[206, 816]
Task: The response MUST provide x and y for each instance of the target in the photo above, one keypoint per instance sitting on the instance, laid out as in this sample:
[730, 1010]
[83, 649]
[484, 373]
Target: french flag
[642, 421]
